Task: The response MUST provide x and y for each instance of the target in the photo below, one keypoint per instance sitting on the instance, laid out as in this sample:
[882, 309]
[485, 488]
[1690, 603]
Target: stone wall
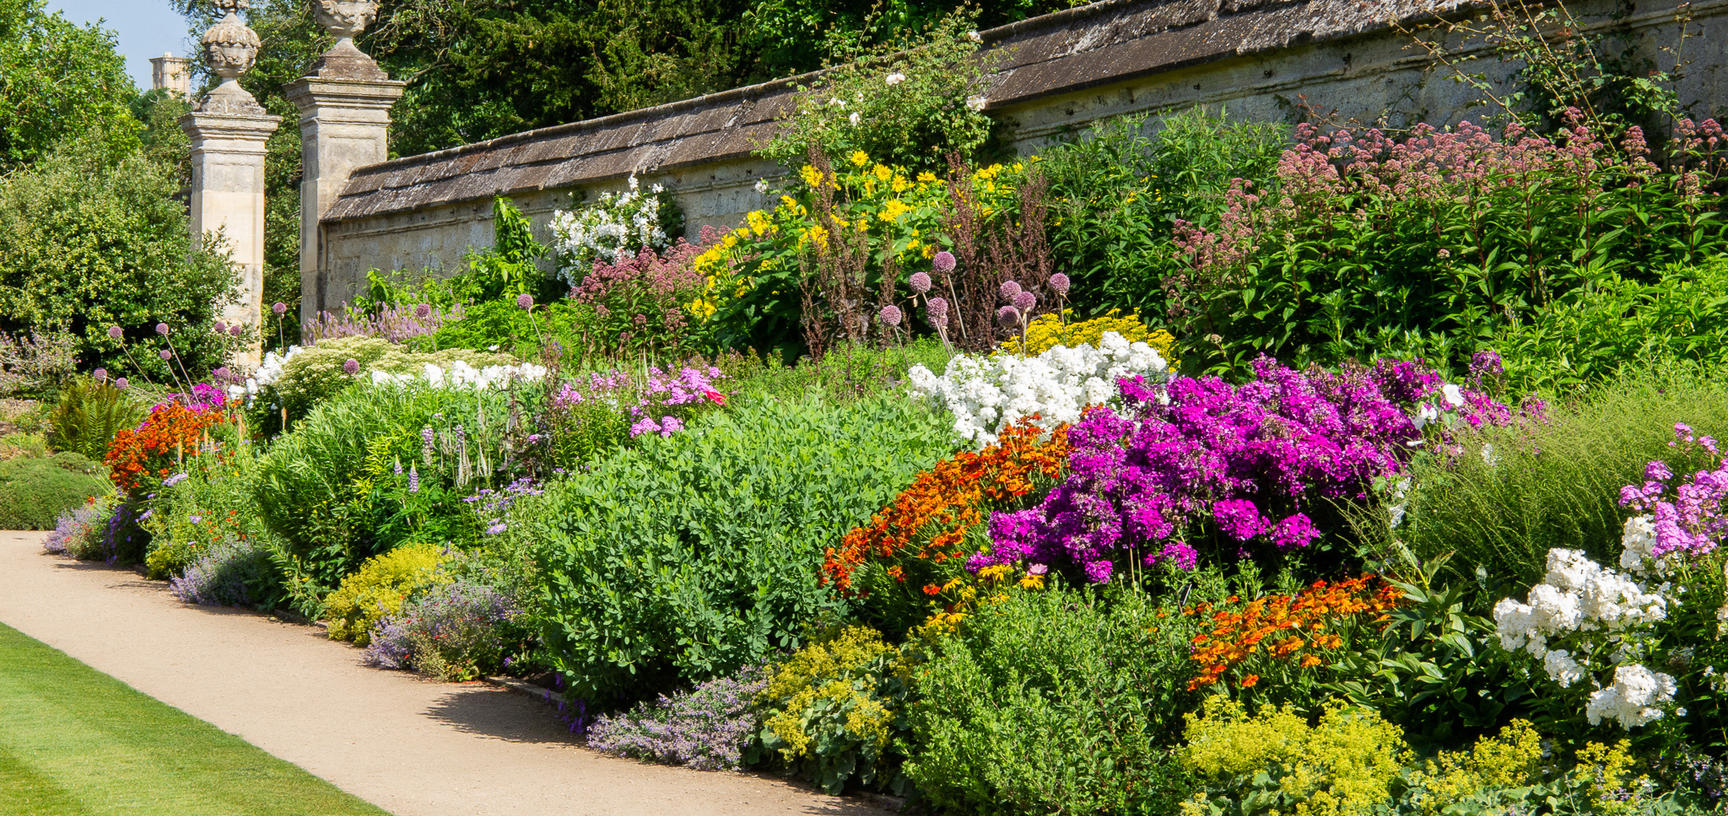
[1261, 59]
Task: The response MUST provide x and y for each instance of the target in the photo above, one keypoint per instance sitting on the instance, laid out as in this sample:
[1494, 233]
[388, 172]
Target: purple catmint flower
[943, 261]
[162, 329]
[1008, 315]
[174, 480]
[890, 314]
[524, 301]
[351, 366]
[1024, 301]
[279, 308]
[920, 282]
[115, 333]
[938, 312]
[1009, 290]
[1059, 282]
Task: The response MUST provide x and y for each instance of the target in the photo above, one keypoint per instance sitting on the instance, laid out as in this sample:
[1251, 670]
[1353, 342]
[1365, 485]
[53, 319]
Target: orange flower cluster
[1286, 627]
[949, 500]
[171, 433]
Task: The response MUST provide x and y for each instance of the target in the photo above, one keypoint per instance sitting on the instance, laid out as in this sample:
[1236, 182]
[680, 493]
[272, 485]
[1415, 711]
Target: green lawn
[76, 741]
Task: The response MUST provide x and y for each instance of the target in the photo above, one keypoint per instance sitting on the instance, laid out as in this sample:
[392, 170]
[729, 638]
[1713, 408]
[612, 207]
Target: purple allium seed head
[423, 311]
[115, 333]
[524, 301]
[279, 308]
[1060, 283]
[165, 354]
[920, 282]
[121, 383]
[234, 330]
[1008, 290]
[1007, 315]
[162, 329]
[221, 373]
[938, 311]
[221, 326]
[1024, 301]
[101, 374]
[351, 366]
[890, 314]
[943, 261]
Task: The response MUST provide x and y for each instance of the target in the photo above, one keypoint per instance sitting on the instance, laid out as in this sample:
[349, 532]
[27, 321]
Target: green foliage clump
[1117, 188]
[314, 374]
[693, 555]
[87, 416]
[380, 588]
[830, 709]
[93, 237]
[35, 490]
[1515, 493]
[502, 325]
[1058, 701]
[212, 505]
[61, 79]
[1275, 762]
[847, 372]
[35, 364]
[1619, 325]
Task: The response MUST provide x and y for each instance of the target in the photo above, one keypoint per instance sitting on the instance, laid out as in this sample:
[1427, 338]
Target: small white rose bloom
[762, 186]
[974, 36]
[1453, 394]
[895, 78]
[854, 118]
[837, 102]
[975, 103]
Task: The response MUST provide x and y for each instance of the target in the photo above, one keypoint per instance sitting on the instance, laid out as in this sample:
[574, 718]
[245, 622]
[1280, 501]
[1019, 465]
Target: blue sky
[145, 29]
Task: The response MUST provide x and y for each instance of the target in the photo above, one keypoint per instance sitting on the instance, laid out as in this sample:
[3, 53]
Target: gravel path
[408, 745]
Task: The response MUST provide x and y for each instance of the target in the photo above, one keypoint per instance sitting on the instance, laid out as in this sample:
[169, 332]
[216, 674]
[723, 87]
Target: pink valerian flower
[1201, 463]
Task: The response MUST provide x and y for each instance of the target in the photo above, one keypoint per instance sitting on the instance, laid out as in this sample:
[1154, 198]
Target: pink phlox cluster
[203, 397]
[1689, 516]
[1201, 460]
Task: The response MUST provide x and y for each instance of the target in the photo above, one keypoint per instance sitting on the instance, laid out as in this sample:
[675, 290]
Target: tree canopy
[56, 78]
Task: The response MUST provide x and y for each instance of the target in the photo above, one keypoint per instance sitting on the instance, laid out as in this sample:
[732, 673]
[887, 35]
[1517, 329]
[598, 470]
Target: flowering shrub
[988, 393]
[637, 303]
[230, 573]
[462, 629]
[1200, 459]
[930, 528]
[612, 230]
[1445, 232]
[1687, 520]
[1285, 634]
[829, 708]
[1050, 330]
[79, 532]
[36, 363]
[706, 727]
[1275, 762]
[173, 432]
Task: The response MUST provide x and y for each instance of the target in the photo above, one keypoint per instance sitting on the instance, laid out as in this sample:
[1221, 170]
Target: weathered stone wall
[1260, 59]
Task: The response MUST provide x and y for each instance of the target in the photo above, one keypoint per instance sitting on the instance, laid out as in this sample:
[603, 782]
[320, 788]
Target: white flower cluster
[462, 375]
[988, 393]
[1589, 606]
[616, 227]
[268, 372]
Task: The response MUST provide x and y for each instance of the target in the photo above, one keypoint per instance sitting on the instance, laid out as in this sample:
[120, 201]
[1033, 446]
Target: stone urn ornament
[230, 47]
[344, 20]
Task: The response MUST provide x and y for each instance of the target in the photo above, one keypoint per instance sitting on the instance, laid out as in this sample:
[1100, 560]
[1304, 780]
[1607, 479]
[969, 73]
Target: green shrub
[36, 364]
[1514, 493]
[90, 238]
[34, 490]
[693, 555]
[210, 505]
[1275, 761]
[847, 372]
[87, 416]
[379, 589]
[503, 326]
[1619, 325]
[355, 477]
[1052, 702]
[313, 374]
[1115, 191]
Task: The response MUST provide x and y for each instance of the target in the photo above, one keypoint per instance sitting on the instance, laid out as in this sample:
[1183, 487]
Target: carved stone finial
[230, 48]
[345, 19]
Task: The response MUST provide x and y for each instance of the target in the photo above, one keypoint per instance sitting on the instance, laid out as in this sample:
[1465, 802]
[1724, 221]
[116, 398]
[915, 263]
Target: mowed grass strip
[76, 741]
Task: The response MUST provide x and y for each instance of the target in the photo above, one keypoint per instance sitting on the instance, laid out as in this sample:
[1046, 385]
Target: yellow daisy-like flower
[894, 210]
[900, 184]
[759, 223]
[860, 158]
[883, 172]
[811, 176]
[926, 177]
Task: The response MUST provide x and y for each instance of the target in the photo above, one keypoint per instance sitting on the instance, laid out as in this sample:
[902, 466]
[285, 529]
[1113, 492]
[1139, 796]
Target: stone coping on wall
[1057, 53]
